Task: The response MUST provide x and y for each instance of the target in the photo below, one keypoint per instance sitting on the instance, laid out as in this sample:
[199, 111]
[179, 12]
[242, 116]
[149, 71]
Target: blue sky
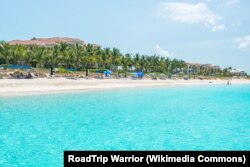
[201, 31]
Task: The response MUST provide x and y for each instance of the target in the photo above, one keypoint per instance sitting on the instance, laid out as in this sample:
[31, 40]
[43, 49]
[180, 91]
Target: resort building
[47, 42]
[196, 67]
[238, 72]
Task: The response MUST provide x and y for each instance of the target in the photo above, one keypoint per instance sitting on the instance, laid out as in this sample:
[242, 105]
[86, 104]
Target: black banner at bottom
[156, 158]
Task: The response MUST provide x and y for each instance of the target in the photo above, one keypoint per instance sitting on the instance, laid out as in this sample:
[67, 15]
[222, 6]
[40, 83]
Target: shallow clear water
[35, 130]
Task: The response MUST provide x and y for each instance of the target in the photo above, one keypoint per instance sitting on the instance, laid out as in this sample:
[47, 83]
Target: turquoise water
[35, 130]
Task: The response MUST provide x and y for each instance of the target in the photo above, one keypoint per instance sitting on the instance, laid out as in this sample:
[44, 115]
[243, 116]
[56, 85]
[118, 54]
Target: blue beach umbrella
[107, 73]
[140, 74]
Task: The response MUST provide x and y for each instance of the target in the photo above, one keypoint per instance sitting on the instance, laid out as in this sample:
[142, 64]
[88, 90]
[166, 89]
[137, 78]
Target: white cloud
[162, 52]
[243, 42]
[191, 13]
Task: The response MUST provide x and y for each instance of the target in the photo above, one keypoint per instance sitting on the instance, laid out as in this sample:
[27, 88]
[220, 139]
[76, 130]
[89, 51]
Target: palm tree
[77, 51]
[129, 61]
[126, 62]
[6, 51]
[97, 56]
[63, 57]
[39, 55]
[142, 62]
[88, 57]
[115, 59]
[52, 56]
[20, 54]
[136, 61]
[155, 63]
[30, 58]
[166, 65]
[107, 57]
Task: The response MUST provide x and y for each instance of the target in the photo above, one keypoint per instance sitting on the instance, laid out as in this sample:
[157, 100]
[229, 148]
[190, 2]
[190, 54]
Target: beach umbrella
[108, 73]
[140, 74]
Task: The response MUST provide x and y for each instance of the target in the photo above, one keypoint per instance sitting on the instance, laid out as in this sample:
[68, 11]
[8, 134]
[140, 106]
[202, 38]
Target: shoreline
[40, 86]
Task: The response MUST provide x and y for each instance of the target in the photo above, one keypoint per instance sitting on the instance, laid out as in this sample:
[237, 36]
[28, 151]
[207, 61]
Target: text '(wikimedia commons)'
[156, 158]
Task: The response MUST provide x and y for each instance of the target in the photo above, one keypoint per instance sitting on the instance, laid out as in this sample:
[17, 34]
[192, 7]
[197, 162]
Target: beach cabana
[71, 69]
[100, 71]
[15, 66]
[26, 67]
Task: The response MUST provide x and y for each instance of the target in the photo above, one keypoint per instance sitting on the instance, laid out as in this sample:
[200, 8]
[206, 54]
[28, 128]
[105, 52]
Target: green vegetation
[85, 57]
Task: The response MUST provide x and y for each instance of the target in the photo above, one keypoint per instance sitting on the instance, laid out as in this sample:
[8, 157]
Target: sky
[201, 31]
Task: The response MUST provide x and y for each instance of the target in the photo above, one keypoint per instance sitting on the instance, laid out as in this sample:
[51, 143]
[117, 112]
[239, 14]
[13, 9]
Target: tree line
[85, 57]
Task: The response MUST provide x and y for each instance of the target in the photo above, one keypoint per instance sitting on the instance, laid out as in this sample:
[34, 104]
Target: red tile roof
[47, 41]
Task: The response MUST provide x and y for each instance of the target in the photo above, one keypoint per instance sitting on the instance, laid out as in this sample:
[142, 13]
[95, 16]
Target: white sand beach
[15, 87]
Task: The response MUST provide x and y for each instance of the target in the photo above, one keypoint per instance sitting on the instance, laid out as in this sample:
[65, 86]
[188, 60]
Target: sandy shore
[14, 87]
